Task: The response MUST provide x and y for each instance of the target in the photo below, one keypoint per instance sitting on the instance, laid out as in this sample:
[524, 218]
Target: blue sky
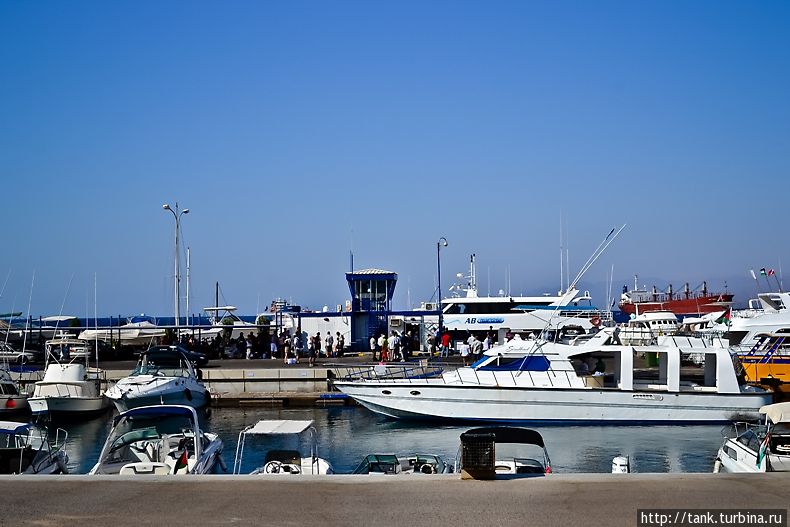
[295, 131]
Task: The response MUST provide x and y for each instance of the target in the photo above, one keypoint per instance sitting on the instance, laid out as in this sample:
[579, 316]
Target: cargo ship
[688, 302]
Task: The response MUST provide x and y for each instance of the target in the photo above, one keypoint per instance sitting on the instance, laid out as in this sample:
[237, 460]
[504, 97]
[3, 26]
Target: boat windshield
[163, 364]
[136, 435]
[529, 363]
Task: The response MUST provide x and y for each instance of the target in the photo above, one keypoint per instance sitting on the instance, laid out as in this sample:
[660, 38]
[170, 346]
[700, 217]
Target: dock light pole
[441, 243]
[177, 301]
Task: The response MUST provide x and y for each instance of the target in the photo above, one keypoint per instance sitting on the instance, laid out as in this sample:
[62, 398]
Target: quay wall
[610, 500]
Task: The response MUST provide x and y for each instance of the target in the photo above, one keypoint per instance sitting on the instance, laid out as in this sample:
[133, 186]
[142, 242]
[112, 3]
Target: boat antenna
[29, 303]
[613, 234]
[95, 319]
[595, 255]
[562, 259]
[6, 282]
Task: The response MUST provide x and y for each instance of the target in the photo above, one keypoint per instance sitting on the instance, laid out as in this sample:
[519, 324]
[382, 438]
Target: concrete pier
[372, 501]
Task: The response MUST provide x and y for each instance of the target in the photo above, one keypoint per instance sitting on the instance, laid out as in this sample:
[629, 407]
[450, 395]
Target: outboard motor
[621, 465]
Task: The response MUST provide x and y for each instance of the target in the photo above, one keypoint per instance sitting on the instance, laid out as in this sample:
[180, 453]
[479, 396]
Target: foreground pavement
[556, 500]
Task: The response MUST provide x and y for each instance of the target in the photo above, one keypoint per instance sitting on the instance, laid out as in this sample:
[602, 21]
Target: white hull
[196, 397]
[68, 406]
[437, 400]
[13, 404]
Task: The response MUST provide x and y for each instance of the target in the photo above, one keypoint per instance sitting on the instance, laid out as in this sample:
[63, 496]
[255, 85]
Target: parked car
[9, 354]
[196, 358]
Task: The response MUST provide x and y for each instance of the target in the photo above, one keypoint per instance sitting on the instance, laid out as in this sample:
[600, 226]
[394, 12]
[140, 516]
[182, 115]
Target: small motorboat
[164, 375]
[26, 449]
[12, 401]
[489, 452]
[758, 448]
[403, 464]
[69, 389]
[159, 440]
[279, 461]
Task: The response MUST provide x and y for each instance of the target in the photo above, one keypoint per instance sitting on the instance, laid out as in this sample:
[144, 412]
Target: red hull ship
[688, 302]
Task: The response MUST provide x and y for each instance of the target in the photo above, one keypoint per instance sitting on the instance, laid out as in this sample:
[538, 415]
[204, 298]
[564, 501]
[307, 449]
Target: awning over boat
[12, 427]
[279, 427]
[777, 413]
[508, 434]
[158, 411]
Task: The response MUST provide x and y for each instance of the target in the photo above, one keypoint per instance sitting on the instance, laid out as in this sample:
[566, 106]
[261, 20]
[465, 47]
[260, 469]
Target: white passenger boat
[158, 440]
[526, 380]
[467, 311]
[293, 461]
[164, 375]
[758, 448]
[12, 400]
[70, 388]
[26, 449]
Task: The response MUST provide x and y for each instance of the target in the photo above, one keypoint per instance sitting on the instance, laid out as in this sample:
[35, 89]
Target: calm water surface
[347, 434]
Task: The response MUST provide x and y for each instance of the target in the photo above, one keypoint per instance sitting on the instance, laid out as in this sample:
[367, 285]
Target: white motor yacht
[525, 380]
[158, 440]
[70, 388]
[758, 448]
[164, 375]
[26, 449]
[279, 461]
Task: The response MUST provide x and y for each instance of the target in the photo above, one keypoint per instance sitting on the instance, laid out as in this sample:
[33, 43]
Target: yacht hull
[68, 407]
[426, 400]
[196, 398]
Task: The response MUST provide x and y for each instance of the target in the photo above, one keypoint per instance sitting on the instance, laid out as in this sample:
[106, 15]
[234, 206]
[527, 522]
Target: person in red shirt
[445, 351]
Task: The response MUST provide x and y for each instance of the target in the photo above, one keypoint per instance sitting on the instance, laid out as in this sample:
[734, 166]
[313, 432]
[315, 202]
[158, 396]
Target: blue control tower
[371, 299]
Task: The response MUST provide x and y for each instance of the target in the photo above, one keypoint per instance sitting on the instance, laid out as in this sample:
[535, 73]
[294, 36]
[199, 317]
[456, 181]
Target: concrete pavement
[373, 501]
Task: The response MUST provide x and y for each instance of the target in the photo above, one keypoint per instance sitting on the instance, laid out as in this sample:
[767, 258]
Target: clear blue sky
[294, 130]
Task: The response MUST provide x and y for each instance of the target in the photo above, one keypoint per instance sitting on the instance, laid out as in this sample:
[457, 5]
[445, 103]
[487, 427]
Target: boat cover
[12, 427]
[508, 434]
[777, 413]
[161, 410]
[275, 427]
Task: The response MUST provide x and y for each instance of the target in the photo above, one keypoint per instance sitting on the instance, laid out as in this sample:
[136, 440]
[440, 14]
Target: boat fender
[717, 466]
[61, 463]
[188, 394]
[221, 462]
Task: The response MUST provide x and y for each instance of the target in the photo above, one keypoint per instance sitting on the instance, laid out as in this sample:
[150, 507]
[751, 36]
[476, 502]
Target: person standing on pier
[373, 346]
[328, 344]
[384, 345]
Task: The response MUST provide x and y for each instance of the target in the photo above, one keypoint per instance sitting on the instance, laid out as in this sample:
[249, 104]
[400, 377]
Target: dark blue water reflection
[346, 435]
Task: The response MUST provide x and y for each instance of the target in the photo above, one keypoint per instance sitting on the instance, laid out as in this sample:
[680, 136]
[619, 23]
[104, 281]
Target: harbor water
[347, 434]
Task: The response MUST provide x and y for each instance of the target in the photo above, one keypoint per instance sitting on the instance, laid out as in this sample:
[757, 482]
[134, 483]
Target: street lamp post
[177, 301]
[441, 243]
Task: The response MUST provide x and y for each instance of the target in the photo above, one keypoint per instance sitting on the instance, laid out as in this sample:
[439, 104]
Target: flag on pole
[763, 272]
[771, 272]
[183, 462]
[763, 449]
[754, 276]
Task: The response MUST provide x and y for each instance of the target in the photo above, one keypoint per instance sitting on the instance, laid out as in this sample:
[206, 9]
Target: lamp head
[166, 206]
[443, 241]
[185, 211]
